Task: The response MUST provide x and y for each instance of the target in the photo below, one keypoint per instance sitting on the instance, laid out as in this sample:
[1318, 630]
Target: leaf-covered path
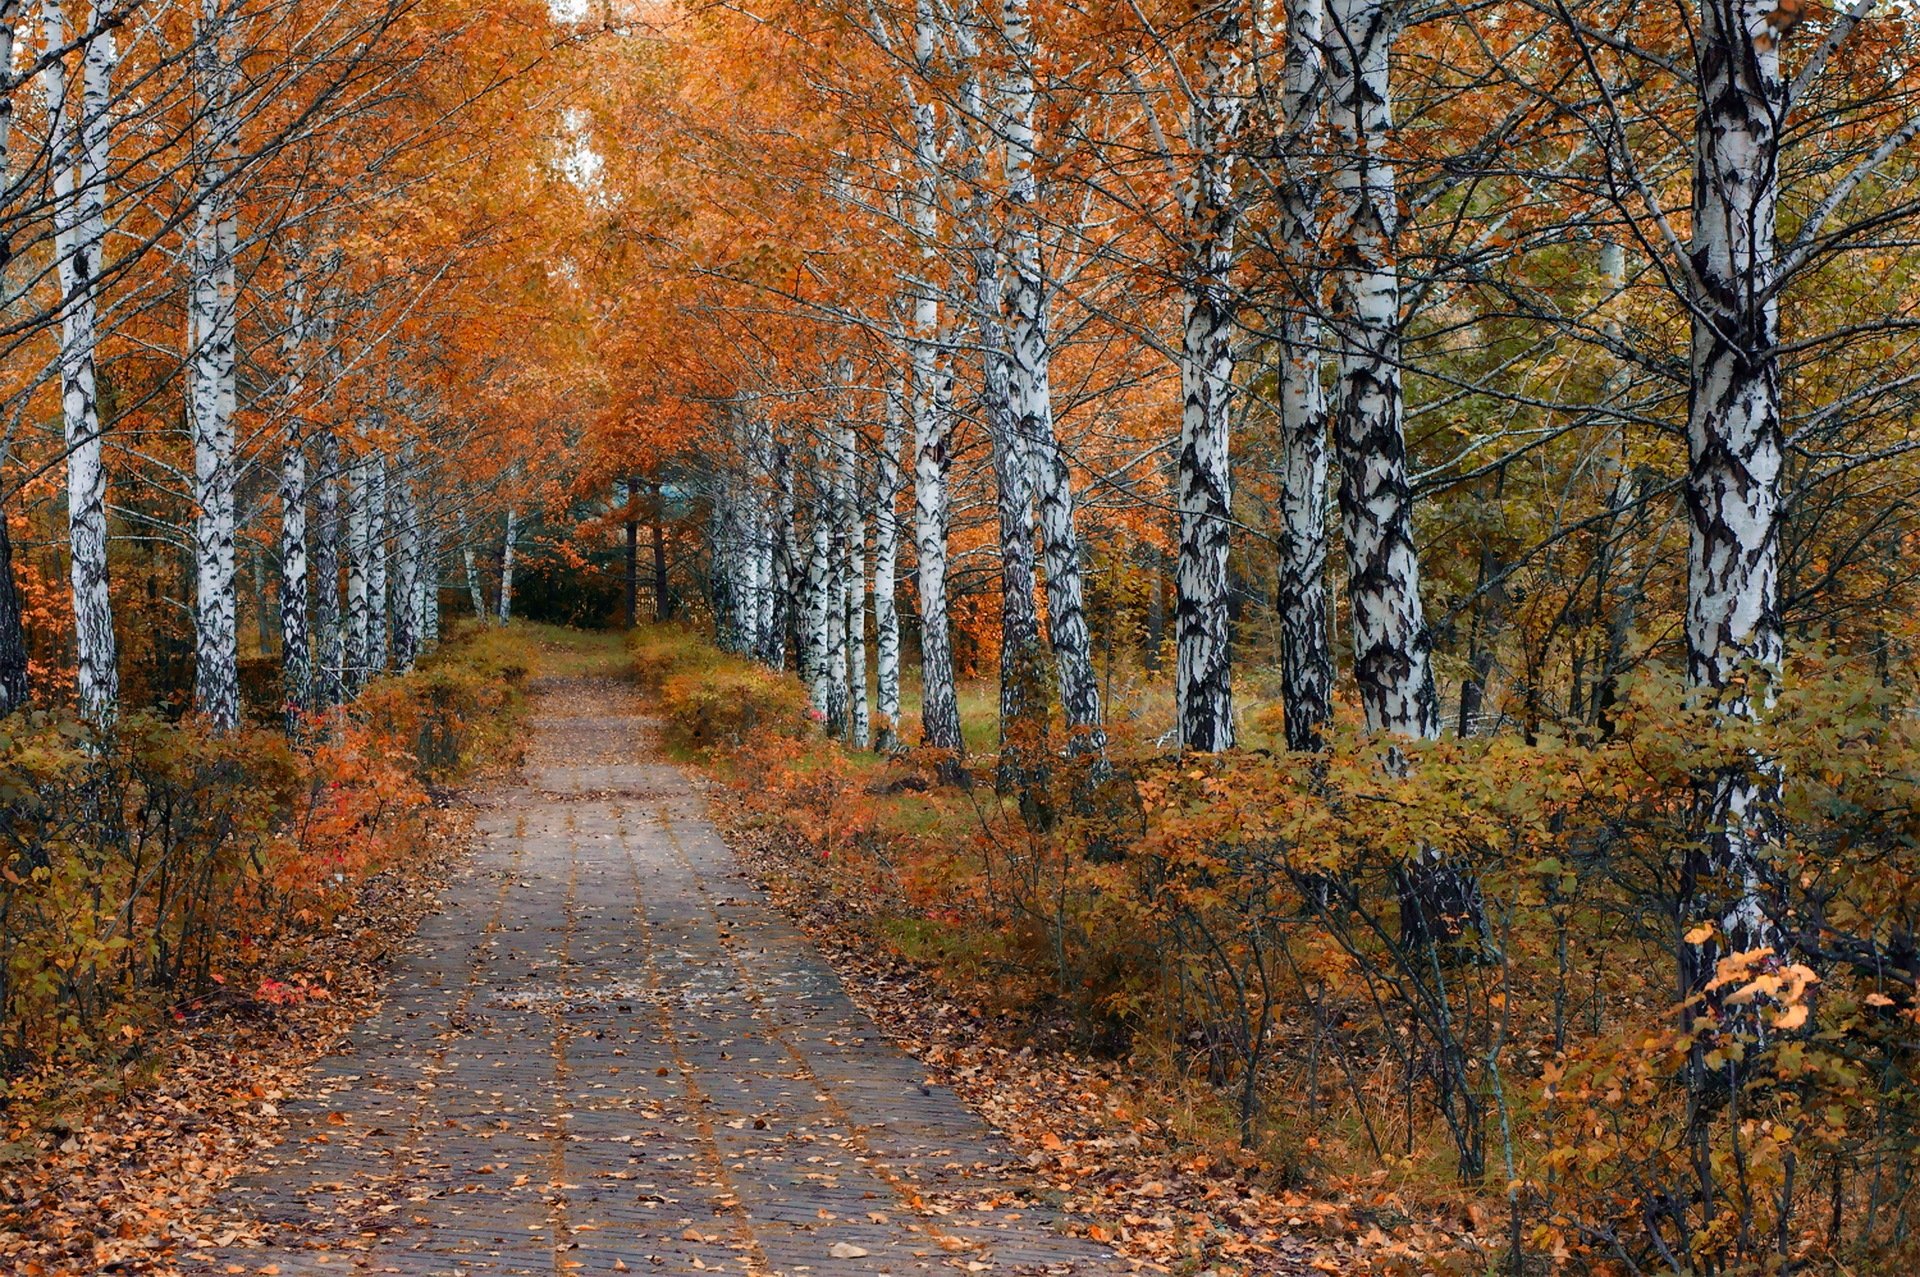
[608, 1054]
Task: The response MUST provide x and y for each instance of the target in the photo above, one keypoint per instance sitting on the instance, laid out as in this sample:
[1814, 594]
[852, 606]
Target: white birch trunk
[1031, 395]
[430, 577]
[886, 556]
[330, 644]
[79, 213]
[358, 648]
[783, 581]
[1391, 643]
[833, 594]
[932, 414]
[1735, 447]
[213, 376]
[1023, 693]
[816, 662]
[853, 571]
[506, 566]
[296, 655]
[379, 547]
[475, 593]
[407, 608]
[1203, 684]
[1306, 647]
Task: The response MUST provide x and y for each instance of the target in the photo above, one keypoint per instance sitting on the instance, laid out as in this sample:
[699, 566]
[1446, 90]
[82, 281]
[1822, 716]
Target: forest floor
[609, 1052]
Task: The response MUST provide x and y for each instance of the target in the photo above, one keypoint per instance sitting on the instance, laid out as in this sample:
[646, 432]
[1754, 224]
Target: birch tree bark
[932, 414]
[1023, 688]
[833, 592]
[853, 571]
[1391, 642]
[815, 664]
[79, 159]
[1306, 647]
[429, 578]
[296, 661]
[1735, 450]
[358, 653]
[15, 683]
[785, 559]
[506, 566]
[886, 556]
[379, 545]
[1031, 395]
[476, 594]
[213, 374]
[407, 576]
[1203, 679]
[330, 647]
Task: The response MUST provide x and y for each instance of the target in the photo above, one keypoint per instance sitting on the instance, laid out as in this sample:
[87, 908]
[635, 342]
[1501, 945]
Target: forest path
[608, 1053]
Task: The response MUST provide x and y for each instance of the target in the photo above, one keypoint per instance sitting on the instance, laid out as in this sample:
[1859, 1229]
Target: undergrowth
[1234, 927]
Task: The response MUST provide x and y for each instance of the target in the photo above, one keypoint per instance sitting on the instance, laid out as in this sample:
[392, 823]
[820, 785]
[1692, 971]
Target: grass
[560, 652]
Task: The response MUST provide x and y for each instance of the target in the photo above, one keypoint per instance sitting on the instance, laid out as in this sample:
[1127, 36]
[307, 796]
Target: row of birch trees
[1292, 302]
[238, 314]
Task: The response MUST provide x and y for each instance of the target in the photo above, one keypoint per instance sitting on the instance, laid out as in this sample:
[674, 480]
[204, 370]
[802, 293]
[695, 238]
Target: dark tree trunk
[662, 596]
[13, 638]
[633, 550]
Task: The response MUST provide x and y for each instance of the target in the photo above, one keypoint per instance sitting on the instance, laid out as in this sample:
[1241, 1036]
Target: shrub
[726, 703]
[141, 869]
[659, 652]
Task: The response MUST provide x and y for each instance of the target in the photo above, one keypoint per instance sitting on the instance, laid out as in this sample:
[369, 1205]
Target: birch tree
[296, 659]
[932, 408]
[1306, 647]
[506, 565]
[886, 555]
[853, 572]
[78, 153]
[1735, 451]
[1030, 392]
[1203, 680]
[213, 373]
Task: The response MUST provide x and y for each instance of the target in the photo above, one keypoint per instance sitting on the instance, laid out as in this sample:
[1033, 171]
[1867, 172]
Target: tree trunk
[213, 376]
[330, 646]
[886, 560]
[633, 550]
[359, 644]
[379, 541]
[405, 516]
[14, 682]
[833, 588]
[506, 566]
[662, 595]
[429, 577]
[79, 213]
[296, 656]
[1030, 393]
[1391, 642]
[784, 568]
[1203, 679]
[1735, 447]
[1306, 648]
[853, 572]
[815, 655]
[932, 413]
[469, 562]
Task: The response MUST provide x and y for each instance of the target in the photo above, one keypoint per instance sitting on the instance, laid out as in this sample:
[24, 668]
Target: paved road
[609, 1054]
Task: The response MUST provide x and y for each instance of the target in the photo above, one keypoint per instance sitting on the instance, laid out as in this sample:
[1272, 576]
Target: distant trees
[229, 248]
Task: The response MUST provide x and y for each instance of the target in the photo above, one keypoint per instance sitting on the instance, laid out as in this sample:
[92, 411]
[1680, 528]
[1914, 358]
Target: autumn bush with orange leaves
[159, 865]
[1231, 924]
